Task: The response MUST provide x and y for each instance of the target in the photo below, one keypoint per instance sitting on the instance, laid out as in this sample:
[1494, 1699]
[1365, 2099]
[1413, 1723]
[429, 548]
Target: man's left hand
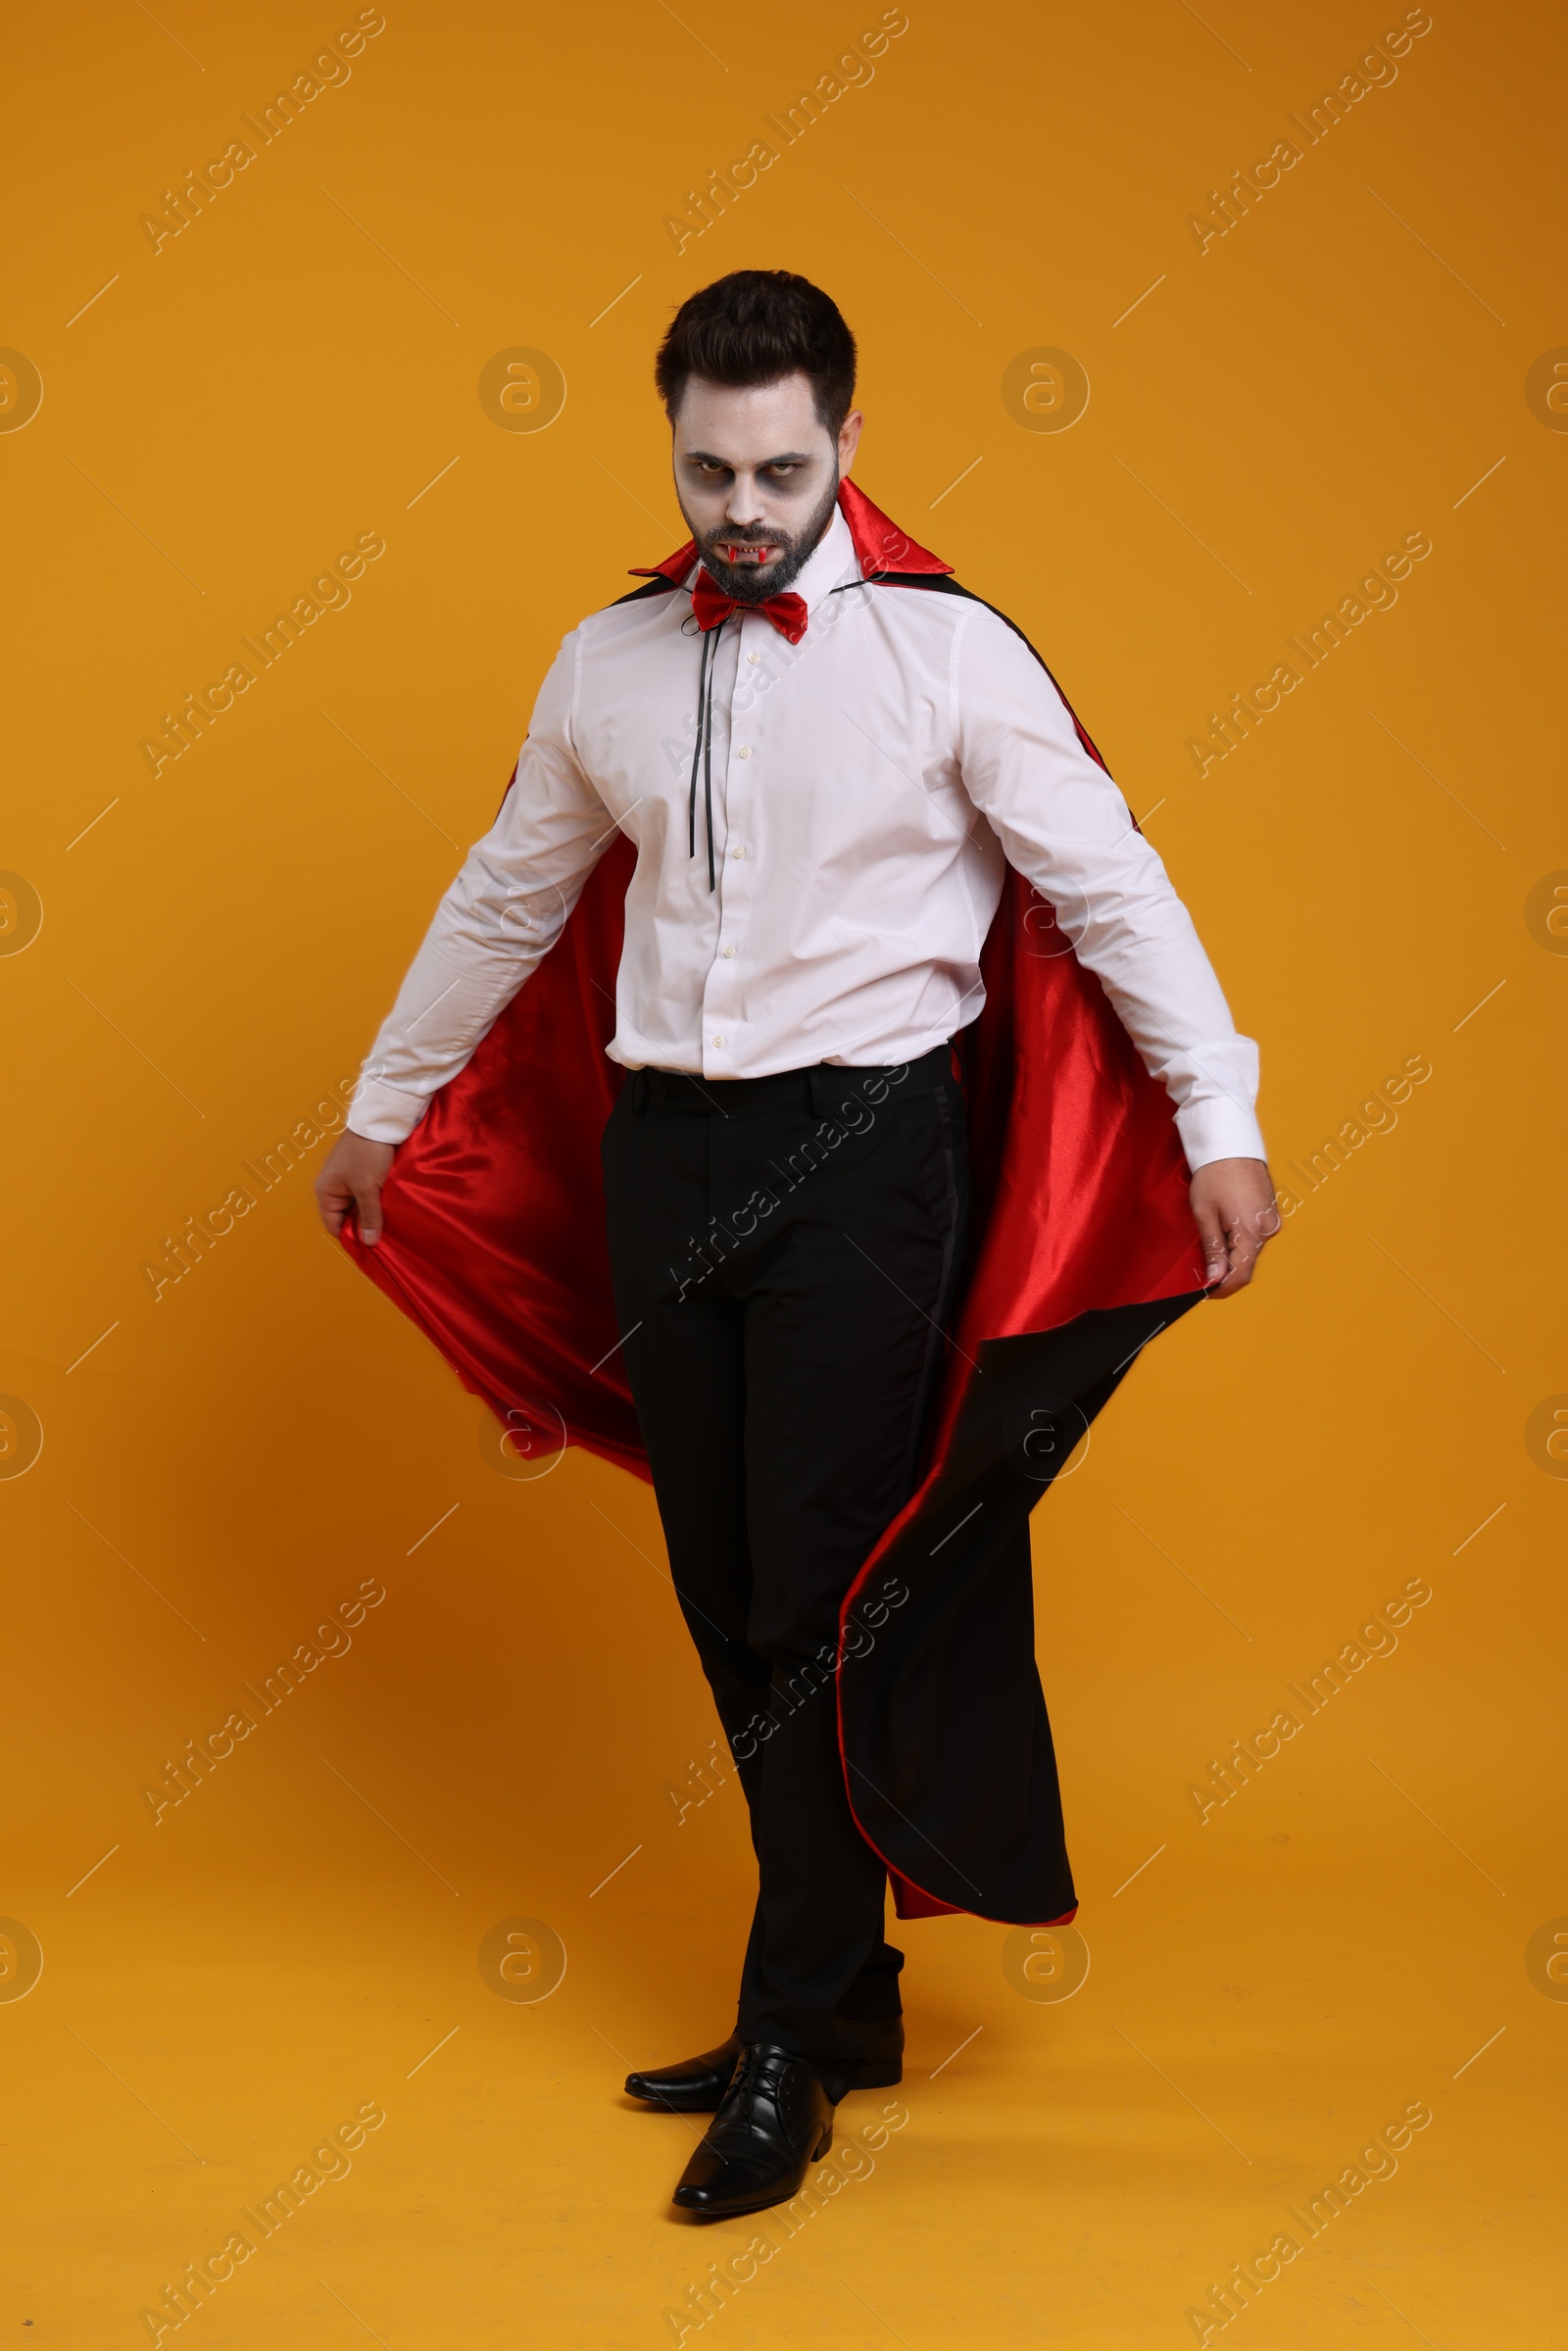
[1233, 1205]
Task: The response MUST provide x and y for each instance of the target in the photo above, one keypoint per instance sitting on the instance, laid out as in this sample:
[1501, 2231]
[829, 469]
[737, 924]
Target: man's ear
[848, 439]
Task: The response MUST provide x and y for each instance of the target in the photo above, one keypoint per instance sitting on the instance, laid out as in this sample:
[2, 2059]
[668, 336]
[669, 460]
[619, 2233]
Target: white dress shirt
[867, 784]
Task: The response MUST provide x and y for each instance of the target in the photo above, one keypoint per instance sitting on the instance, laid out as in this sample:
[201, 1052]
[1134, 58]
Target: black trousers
[785, 1254]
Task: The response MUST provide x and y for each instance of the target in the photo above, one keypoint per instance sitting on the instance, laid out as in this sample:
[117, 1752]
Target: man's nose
[741, 505]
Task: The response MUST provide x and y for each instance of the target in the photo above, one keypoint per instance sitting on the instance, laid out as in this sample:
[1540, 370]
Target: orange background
[1266, 418]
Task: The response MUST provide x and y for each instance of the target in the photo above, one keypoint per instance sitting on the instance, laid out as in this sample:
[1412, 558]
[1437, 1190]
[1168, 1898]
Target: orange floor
[316, 1940]
[1083, 2172]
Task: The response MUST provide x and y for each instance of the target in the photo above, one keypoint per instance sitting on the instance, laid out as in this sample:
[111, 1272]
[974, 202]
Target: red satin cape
[1084, 1247]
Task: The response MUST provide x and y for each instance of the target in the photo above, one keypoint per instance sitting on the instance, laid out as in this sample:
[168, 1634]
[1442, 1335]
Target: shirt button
[754, 656]
[719, 1041]
[737, 853]
[729, 951]
[745, 752]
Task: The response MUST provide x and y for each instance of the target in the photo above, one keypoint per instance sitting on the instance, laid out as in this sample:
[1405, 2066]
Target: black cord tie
[703, 750]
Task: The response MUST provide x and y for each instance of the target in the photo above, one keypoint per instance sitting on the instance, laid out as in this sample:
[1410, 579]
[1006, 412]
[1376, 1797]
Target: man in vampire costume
[863, 1021]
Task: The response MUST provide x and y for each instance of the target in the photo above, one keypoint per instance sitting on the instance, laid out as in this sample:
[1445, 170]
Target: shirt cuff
[381, 1113]
[1216, 1128]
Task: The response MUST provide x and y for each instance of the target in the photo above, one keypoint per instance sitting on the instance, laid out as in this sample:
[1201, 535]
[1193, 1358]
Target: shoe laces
[759, 2072]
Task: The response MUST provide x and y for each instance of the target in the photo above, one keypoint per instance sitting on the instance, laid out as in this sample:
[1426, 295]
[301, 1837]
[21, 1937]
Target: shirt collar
[831, 562]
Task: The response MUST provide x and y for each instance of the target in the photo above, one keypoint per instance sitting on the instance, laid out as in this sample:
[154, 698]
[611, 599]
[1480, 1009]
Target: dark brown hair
[752, 327]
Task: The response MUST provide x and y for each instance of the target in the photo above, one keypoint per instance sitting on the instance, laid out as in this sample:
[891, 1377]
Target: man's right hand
[355, 1171]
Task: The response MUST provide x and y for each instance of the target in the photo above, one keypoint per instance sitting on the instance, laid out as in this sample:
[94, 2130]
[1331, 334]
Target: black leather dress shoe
[775, 2122]
[697, 2084]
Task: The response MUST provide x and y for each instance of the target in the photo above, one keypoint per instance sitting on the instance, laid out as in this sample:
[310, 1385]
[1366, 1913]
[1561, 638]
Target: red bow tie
[712, 606]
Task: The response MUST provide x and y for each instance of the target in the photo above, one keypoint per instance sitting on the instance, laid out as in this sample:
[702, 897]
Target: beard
[749, 581]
